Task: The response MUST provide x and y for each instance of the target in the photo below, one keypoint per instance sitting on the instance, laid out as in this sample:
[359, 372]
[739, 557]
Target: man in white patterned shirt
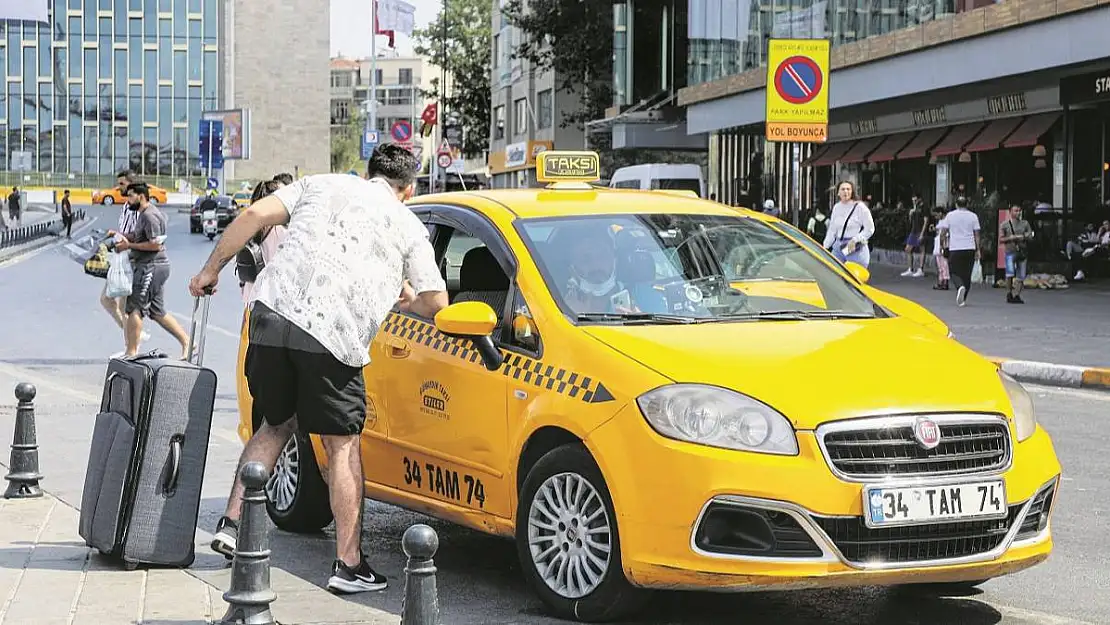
[128, 220]
[350, 246]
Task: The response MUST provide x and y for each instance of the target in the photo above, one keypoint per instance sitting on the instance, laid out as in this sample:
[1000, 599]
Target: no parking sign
[798, 90]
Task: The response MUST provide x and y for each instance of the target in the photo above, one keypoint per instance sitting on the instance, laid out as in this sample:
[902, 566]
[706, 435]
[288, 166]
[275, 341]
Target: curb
[1055, 375]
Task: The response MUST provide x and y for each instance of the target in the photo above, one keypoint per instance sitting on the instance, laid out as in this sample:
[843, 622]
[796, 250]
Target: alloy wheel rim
[282, 486]
[569, 535]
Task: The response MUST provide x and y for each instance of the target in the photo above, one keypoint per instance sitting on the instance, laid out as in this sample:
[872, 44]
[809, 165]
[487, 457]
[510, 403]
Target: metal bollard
[23, 478]
[420, 605]
[249, 594]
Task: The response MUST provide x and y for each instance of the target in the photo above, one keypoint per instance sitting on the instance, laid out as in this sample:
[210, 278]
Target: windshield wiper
[635, 317]
[799, 314]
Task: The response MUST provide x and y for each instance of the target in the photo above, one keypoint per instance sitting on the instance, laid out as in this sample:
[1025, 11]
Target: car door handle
[398, 348]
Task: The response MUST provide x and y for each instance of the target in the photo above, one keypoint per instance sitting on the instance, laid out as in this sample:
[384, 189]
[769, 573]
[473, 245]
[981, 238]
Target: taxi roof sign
[558, 166]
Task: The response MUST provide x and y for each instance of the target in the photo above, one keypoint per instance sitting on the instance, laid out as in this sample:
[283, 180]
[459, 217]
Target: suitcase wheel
[130, 566]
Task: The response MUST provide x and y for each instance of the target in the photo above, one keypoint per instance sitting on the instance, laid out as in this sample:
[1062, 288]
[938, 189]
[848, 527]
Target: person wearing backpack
[818, 225]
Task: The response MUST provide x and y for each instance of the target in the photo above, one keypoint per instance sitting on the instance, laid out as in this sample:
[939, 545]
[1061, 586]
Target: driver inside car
[594, 286]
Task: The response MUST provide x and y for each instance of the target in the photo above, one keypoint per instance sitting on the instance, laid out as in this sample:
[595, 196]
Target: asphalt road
[55, 335]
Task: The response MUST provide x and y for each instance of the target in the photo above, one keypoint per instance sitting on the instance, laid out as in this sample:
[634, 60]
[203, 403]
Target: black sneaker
[227, 535]
[346, 580]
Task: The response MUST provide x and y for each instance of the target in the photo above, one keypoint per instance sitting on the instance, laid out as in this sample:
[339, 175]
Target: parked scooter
[210, 223]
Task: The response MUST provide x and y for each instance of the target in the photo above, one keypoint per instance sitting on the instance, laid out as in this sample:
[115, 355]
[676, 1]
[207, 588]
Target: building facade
[401, 85]
[114, 84]
[107, 84]
[276, 66]
[526, 112]
[928, 99]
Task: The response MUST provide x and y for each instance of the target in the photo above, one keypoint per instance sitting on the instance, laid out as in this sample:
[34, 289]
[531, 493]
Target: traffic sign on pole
[798, 90]
[401, 131]
[369, 142]
[443, 159]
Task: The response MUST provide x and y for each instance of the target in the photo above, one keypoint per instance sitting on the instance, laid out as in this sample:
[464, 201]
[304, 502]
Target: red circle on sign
[798, 80]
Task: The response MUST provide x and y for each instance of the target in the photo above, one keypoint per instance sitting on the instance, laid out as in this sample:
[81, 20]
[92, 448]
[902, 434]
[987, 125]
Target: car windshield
[683, 268]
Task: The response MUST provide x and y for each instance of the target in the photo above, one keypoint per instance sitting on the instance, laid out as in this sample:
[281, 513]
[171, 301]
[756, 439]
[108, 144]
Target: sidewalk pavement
[1059, 337]
[49, 577]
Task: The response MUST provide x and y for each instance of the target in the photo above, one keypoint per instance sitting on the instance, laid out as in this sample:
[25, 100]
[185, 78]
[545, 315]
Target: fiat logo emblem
[927, 433]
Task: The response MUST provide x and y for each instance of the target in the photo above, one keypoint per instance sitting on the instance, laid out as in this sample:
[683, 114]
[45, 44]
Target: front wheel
[567, 539]
[109, 200]
[297, 495]
[211, 235]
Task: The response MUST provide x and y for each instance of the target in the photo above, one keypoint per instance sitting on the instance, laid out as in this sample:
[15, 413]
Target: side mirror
[474, 321]
[858, 271]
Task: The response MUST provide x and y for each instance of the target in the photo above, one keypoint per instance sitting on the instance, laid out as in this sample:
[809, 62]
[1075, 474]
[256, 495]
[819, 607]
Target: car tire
[608, 595]
[108, 200]
[296, 495]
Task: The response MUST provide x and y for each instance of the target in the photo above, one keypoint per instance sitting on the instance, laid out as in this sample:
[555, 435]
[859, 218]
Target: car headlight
[1025, 415]
[717, 417]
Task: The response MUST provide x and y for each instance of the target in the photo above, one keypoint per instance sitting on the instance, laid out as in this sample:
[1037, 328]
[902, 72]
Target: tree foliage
[346, 142]
[467, 46]
[574, 39]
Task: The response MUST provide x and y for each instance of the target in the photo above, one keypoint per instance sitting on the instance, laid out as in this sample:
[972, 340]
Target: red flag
[378, 31]
[428, 118]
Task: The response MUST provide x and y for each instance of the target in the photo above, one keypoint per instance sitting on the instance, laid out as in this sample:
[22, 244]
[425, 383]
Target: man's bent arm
[269, 211]
[428, 303]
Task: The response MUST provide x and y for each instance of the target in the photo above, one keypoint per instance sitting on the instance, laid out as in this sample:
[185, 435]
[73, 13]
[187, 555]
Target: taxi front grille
[890, 449]
[860, 544]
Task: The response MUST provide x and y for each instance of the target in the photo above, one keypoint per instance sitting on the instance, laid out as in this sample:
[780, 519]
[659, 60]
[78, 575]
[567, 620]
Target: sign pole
[372, 118]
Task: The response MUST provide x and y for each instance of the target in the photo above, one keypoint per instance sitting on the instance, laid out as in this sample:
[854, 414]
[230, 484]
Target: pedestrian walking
[151, 268]
[1016, 234]
[67, 214]
[850, 227]
[939, 255]
[917, 225]
[309, 340]
[125, 225]
[961, 239]
[15, 211]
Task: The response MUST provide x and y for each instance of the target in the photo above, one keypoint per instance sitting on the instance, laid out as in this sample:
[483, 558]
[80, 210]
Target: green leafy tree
[466, 42]
[346, 143]
[573, 39]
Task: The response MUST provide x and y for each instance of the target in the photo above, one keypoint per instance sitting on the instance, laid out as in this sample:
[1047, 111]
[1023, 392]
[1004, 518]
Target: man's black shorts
[148, 289]
[327, 396]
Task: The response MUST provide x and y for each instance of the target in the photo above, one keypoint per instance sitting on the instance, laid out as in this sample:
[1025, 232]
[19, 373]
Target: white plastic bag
[976, 273]
[120, 274]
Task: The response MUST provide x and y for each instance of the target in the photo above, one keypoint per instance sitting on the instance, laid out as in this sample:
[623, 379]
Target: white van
[660, 176]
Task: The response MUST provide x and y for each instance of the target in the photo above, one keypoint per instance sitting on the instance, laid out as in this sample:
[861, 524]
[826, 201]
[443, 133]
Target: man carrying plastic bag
[120, 274]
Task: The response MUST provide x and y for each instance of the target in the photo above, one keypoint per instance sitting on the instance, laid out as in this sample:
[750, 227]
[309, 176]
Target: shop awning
[957, 138]
[818, 152]
[889, 147]
[992, 136]
[1031, 130]
[833, 154]
[919, 147]
[861, 149]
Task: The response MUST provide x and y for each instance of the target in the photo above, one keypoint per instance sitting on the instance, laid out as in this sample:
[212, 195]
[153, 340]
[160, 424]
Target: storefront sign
[864, 127]
[1090, 87]
[798, 90]
[930, 116]
[516, 154]
[1013, 103]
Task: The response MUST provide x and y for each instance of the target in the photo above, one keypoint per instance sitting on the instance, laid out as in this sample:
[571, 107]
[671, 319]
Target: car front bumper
[815, 528]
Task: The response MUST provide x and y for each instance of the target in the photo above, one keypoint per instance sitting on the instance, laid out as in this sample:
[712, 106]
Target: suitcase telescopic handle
[197, 335]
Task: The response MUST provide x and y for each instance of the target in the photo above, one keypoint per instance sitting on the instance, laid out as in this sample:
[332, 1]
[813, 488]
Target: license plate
[885, 506]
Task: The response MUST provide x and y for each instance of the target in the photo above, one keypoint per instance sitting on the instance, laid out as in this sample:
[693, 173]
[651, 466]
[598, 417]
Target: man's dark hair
[961, 202]
[139, 188]
[284, 178]
[126, 174]
[394, 163]
[66, 192]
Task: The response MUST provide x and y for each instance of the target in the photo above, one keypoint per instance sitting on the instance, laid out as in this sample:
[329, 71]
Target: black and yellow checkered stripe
[538, 373]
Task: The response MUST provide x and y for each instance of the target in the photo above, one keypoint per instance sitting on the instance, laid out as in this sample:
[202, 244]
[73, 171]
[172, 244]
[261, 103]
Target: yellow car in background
[241, 199]
[650, 391]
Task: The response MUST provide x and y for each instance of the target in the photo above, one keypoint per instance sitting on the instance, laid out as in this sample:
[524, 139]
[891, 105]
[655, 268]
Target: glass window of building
[404, 76]
[545, 108]
[499, 122]
[520, 116]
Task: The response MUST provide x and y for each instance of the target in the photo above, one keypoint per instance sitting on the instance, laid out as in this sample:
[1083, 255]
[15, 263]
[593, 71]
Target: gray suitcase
[149, 449]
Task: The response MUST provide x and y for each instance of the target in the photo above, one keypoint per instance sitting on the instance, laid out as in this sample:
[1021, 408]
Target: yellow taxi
[112, 195]
[241, 199]
[650, 391]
